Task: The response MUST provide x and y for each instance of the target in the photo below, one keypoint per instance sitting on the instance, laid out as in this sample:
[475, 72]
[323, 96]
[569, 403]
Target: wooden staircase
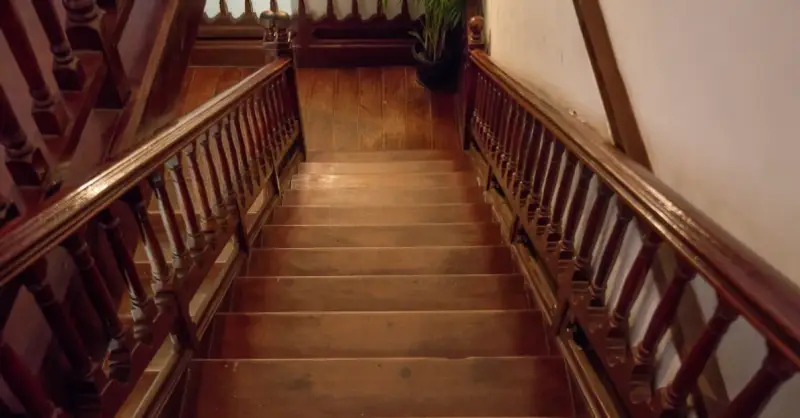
[381, 287]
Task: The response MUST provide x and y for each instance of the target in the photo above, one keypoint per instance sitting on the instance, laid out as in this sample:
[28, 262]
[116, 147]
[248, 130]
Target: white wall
[714, 85]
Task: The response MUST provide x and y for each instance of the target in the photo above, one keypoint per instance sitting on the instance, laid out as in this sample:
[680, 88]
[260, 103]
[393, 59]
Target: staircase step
[376, 261]
[380, 236]
[397, 180]
[406, 167]
[383, 197]
[375, 293]
[474, 387]
[389, 215]
[355, 157]
[449, 334]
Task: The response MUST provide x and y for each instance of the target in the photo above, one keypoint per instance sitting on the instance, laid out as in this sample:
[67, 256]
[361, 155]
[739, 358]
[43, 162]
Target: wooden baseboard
[229, 53]
[356, 53]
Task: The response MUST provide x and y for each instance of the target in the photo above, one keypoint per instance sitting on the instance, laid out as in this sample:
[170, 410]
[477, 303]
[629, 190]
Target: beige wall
[714, 85]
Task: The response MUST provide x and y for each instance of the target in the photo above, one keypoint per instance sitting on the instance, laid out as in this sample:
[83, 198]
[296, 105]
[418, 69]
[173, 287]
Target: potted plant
[437, 49]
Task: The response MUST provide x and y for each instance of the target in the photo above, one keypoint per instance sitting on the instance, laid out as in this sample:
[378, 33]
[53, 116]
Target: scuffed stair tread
[475, 387]
[375, 261]
[380, 236]
[453, 334]
[383, 197]
[390, 167]
[420, 155]
[374, 293]
[389, 215]
[398, 181]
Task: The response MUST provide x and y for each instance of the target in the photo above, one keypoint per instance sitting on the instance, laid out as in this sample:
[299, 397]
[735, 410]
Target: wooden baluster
[283, 119]
[8, 210]
[249, 10]
[774, 372]
[662, 318]
[566, 245]
[119, 358]
[273, 143]
[379, 7]
[512, 126]
[258, 155]
[227, 179]
[66, 333]
[24, 386]
[329, 13]
[224, 12]
[518, 155]
[25, 162]
[539, 173]
[560, 207]
[238, 173]
[488, 129]
[594, 222]
[180, 260]
[167, 300]
[67, 69]
[48, 111]
[544, 212]
[529, 158]
[195, 238]
[476, 121]
[251, 178]
[220, 207]
[491, 125]
[692, 366]
[404, 13]
[273, 5]
[86, 32]
[143, 309]
[207, 222]
[502, 155]
[258, 137]
[597, 289]
[632, 285]
[354, 14]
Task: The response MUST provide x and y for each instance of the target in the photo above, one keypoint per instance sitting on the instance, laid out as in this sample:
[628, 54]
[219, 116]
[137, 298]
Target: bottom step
[396, 387]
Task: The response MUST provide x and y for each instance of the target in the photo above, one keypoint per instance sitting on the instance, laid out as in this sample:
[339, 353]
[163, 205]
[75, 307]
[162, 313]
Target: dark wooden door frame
[624, 129]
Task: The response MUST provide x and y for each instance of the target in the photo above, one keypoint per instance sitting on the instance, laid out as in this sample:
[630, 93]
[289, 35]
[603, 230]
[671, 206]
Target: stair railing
[544, 164]
[214, 162]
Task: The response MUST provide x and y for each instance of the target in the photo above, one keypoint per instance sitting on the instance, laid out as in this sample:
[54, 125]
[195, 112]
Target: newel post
[470, 75]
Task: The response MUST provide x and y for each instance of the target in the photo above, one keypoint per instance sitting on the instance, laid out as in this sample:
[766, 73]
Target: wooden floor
[351, 109]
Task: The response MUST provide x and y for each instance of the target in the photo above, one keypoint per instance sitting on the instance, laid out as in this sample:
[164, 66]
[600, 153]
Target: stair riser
[459, 213]
[408, 167]
[380, 236]
[388, 156]
[361, 262]
[382, 197]
[400, 181]
[386, 388]
[387, 293]
[388, 334]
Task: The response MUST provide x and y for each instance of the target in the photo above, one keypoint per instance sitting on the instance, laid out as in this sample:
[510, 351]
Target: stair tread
[448, 334]
[278, 236]
[372, 156]
[430, 166]
[372, 293]
[394, 180]
[377, 261]
[388, 215]
[383, 196]
[399, 387]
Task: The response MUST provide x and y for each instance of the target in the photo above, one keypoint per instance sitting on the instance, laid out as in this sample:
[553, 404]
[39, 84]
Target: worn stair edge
[376, 261]
[382, 197]
[396, 387]
[373, 293]
[395, 181]
[458, 234]
[386, 167]
[387, 215]
[446, 334]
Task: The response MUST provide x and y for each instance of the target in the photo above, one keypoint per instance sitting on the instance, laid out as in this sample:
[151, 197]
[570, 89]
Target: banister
[766, 298]
[26, 239]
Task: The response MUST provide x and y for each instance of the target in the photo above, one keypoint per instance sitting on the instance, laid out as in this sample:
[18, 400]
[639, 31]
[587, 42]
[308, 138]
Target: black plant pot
[434, 75]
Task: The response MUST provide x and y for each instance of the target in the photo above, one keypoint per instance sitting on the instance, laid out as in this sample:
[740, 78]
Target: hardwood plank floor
[350, 109]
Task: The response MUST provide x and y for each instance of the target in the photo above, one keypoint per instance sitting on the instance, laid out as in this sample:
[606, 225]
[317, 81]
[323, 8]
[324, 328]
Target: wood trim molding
[621, 118]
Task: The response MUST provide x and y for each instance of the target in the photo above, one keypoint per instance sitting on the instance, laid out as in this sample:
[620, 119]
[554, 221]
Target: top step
[386, 167]
[367, 157]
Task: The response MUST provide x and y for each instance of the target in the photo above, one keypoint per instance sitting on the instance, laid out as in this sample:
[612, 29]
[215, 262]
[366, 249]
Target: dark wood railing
[544, 163]
[214, 162]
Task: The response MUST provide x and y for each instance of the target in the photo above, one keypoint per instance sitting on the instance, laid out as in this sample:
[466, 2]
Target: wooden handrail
[28, 238]
[758, 291]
